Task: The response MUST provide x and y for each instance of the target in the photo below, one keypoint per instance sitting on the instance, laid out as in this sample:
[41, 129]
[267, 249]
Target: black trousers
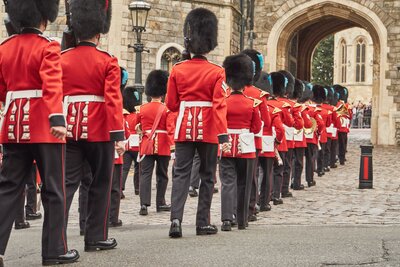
[267, 180]
[327, 153]
[278, 176]
[321, 158]
[184, 152]
[195, 173]
[129, 157]
[31, 192]
[287, 171]
[254, 188]
[311, 154]
[146, 174]
[237, 175]
[332, 156]
[17, 165]
[116, 190]
[83, 194]
[298, 166]
[100, 156]
[342, 147]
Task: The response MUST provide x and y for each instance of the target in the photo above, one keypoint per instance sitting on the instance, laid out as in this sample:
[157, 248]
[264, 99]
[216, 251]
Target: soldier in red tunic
[196, 91]
[244, 121]
[130, 101]
[33, 126]
[156, 123]
[93, 106]
[343, 120]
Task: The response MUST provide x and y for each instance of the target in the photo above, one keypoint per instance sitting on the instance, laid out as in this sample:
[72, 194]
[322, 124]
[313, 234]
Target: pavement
[331, 224]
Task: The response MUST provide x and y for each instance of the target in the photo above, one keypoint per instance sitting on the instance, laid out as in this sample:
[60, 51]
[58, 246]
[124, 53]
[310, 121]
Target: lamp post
[139, 12]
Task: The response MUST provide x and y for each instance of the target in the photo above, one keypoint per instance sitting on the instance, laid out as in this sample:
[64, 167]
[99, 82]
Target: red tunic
[90, 71]
[120, 159]
[298, 121]
[274, 128]
[286, 118]
[333, 121]
[344, 121]
[193, 81]
[257, 93]
[320, 128]
[162, 141]
[307, 124]
[131, 119]
[243, 114]
[31, 61]
[327, 121]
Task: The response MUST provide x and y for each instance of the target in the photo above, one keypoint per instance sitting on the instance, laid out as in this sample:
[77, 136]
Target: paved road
[332, 224]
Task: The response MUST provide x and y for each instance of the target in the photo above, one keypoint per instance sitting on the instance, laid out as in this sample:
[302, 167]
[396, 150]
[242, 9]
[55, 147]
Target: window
[169, 58]
[343, 61]
[360, 60]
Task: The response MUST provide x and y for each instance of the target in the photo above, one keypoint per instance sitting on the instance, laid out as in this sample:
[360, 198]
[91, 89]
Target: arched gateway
[298, 26]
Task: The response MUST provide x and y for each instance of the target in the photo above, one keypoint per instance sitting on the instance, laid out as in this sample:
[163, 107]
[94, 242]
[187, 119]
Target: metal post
[366, 170]
[138, 48]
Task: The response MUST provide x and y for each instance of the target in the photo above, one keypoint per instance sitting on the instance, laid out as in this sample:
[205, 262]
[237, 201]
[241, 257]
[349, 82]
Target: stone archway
[312, 21]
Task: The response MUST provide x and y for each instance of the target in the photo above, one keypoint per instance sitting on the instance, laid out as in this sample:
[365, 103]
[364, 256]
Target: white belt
[157, 131]
[80, 98]
[238, 131]
[13, 95]
[182, 107]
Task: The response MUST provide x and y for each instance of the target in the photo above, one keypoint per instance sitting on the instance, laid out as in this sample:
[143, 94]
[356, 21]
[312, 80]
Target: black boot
[100, 245]
[69, 257]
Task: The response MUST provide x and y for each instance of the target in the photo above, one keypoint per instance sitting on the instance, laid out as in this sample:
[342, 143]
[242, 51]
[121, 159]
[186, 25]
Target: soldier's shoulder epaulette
[297, 105]
[105, 52]
[225, 87]
[215, 64]
[67, 50]
[317, 109]
[46, 37]
[137, 108]
[125, 112]
[9, 38]
[329, 112]
[304, 107]
[256, 102]
[263, 93]
[286, 105]
[180, 62]
[276, 110]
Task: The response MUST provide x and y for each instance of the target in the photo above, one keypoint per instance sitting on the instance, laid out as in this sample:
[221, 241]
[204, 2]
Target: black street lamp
[139, 12]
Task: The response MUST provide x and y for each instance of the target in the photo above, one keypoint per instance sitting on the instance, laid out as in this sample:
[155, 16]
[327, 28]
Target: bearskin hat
[258, 60]
[290, 83]
[263, 82]
[201, 31]
[30, 13]
[130, 97]
[329, 94]
[299, 88]
[342, 91]
[238, 70]
[307, 93]
[278, 81]
[156, 83]
[90, 17]
[319, 94]
[335, 97]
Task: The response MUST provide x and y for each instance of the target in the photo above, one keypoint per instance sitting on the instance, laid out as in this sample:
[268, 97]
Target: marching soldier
[320, 93]
[195, 90]
[244, 121]
[295, 110]
[330, 129]
[33, 127]
[156, 124]
[93, 106]
[335, 133]
[344, 118]
[279, 84]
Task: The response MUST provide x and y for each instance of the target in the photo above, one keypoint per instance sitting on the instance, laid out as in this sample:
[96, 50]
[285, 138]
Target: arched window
[343, 61]
[360, 60]
[169, 58]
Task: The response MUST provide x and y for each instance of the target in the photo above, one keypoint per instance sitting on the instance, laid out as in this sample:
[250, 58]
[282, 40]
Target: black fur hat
[90, 17]
[264, 83]
[342, 91]
[335, 97]
[319, 94]
[156, 83]
[201, 31]
[290, 83]
[278, 84]
[30, 13]
[258, 59]
[299, 88]
[329, 94]
[130, 97]
[307, 93]
[238, 70]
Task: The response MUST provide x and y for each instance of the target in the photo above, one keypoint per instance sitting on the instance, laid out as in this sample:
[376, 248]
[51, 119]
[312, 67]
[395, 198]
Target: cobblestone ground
[336, 200]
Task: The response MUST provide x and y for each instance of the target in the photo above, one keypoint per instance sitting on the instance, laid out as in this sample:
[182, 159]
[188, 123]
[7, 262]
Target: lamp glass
[139, 11]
